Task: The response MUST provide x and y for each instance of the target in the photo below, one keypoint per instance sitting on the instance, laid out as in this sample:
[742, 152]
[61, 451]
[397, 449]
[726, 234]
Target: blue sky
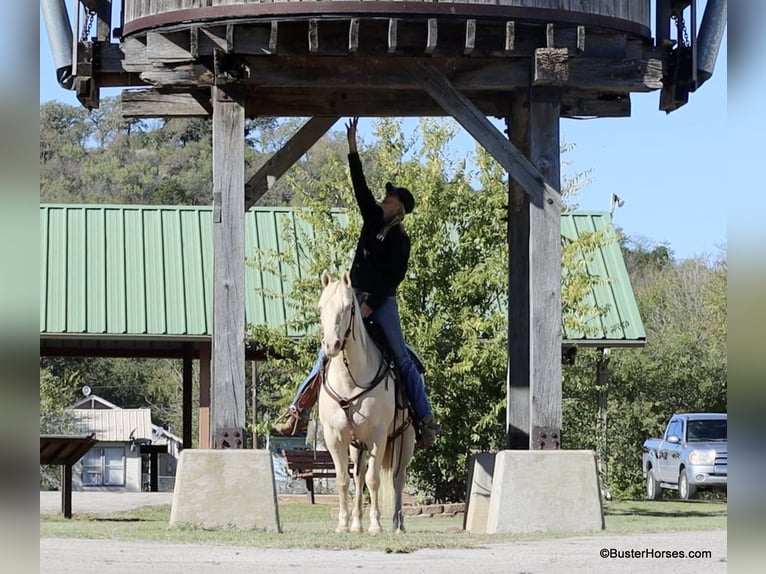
[667, 168]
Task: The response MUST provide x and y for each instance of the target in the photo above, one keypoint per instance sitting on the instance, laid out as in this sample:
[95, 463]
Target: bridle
[343, 402]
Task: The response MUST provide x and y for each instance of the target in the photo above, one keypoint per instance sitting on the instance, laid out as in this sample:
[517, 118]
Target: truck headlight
[702, 457]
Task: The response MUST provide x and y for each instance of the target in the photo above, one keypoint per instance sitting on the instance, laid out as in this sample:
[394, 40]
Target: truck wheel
[686, 491]
[653, 490]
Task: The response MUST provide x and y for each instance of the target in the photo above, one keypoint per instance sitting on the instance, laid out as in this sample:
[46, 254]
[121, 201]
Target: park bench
[308, 465]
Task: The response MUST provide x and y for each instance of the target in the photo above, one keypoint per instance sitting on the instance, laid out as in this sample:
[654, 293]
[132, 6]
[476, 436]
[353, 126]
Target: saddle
[309, 397]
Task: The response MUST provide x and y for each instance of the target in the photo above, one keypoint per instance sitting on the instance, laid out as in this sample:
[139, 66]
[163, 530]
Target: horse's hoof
[375, 530]
[341, 529]
[400, 531]
[356, 528]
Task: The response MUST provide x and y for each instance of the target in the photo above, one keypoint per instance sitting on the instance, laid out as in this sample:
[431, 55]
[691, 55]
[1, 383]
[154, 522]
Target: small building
[129, 447]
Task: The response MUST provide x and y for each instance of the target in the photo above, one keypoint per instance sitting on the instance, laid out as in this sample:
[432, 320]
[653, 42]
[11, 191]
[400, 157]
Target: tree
[681, 369]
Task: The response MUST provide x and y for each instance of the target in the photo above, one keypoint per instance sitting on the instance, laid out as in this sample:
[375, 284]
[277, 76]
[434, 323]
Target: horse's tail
[386, 491]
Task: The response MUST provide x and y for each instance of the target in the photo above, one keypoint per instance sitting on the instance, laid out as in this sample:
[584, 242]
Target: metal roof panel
[146, 270]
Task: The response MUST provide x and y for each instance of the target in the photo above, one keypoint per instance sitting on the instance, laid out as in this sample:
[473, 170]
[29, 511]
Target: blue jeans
[387, 316]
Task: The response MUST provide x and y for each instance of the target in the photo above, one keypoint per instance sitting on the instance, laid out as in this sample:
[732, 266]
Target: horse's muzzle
[332, 348]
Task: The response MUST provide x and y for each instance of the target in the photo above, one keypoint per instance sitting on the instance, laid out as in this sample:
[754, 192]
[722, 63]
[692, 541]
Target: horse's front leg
[360, 467]
[373, 483]
[339, 452]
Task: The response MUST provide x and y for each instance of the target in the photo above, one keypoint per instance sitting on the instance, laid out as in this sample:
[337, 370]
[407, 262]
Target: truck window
[675, 429]
[707, 430]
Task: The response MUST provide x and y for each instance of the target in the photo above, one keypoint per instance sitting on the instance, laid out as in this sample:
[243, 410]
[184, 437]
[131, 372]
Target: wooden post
[545, 274]
[602, 382]
[228, 369]
[66, 490]
[517, 386]
[203, 426]
[187, 396]
[154, 471]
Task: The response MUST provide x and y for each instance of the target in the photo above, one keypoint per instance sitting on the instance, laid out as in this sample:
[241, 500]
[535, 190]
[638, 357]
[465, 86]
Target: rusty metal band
[306, 10]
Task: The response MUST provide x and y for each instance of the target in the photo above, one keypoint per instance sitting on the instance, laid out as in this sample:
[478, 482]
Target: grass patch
[312, 526]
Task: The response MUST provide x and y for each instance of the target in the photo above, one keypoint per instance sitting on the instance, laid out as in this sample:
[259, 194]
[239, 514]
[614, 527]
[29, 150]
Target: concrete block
[227, 488]
[545, 491]
[481, 467]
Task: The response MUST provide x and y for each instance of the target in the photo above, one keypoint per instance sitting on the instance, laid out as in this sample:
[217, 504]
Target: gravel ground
[576, 555]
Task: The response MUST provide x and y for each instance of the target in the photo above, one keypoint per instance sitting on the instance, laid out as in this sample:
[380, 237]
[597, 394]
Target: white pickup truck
[692, 454]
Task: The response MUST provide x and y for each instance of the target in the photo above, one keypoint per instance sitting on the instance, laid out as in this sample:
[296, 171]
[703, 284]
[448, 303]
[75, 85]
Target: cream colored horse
[359, 414]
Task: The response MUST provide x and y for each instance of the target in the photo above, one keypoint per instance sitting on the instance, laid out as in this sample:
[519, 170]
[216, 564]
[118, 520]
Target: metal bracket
[546, 438]
[229, 437]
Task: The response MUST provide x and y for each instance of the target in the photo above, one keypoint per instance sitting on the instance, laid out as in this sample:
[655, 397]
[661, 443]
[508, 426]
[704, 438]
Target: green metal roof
[621, 325]
[132, 272]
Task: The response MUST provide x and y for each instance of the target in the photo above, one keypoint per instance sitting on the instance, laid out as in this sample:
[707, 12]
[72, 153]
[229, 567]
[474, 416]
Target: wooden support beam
[545, 276]
[517, 385]
[157, 104]
[186, 407]
[204, 437]
[321, 102]
[551, 67]
[281, 161]
[541, 193]
[228, 371]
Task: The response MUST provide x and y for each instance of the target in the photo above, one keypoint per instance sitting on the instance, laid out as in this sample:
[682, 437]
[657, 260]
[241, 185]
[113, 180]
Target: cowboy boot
[427, 431]
[294, 423]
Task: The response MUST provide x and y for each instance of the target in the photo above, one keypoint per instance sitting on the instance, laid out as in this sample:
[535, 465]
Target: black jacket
[380, 261]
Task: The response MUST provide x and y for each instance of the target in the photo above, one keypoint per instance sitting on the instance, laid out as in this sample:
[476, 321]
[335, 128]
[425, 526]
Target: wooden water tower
[530, 62]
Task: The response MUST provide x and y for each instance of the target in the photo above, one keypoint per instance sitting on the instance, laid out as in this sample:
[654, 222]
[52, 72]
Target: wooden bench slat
[310, 464]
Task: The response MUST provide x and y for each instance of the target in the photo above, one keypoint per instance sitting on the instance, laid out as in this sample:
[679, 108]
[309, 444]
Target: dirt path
[577, 555]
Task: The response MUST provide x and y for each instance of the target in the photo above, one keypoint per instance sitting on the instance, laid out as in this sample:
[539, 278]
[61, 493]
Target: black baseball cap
[404, 195]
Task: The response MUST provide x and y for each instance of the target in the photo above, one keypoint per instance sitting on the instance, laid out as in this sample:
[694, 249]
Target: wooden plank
[550, 38]
[433, 35]
[470, 37]
[228, 360]
[510, 37]
[545, 269]
[281, 161]
[313, 36]
[581, 39]
[353, 35]
[475, 123]
[392, 25]
[551, 66]
[328, 102]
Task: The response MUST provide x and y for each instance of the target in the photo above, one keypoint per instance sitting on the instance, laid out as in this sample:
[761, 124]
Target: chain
[90, 15]
[684, 40]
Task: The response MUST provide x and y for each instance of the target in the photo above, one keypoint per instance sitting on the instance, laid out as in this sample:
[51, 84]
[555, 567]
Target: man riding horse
[379, 266]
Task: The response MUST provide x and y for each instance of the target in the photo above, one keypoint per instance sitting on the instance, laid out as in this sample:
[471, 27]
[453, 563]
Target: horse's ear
[325, 278]
[346, 279]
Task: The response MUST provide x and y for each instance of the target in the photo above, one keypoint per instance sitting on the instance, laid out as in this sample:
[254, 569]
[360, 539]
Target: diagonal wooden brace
[541, 193]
